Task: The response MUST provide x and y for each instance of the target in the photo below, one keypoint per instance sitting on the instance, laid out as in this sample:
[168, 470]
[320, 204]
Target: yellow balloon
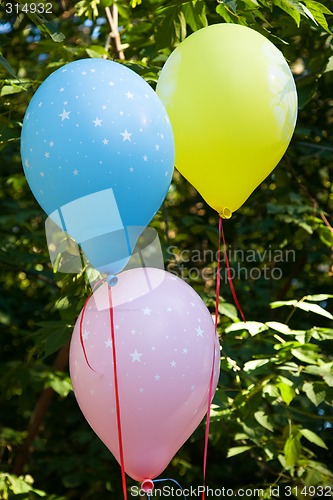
[232, 102]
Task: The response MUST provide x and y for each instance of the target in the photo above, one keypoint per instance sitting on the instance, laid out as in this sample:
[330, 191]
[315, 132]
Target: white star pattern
[69, 152]
[152, 361]
[65, 115]
[136, 356]
[97, 122]
[199, 331]
[169, 309]
[126, 135]
[85, 335]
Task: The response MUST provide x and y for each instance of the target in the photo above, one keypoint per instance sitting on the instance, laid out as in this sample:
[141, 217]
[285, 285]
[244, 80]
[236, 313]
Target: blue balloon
[98, 152]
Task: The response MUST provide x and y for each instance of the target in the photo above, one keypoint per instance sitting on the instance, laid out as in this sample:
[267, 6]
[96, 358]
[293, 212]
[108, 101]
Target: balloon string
[211, 381]
[81, 323]
[81, 334]
[168, 479]
[116, 388]
[229, 273]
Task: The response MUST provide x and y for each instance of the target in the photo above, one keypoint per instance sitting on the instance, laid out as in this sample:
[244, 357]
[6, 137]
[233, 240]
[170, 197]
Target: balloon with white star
[97, 150]
[165, 343]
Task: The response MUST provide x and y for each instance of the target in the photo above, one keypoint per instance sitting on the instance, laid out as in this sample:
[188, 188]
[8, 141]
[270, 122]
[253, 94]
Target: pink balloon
[165, 343]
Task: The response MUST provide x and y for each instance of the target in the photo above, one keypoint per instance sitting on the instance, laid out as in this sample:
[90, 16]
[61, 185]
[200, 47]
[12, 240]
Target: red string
[210, 392]
[217, 294]
[234, 296]
[81, 335]
[116, 388]
[81, 323]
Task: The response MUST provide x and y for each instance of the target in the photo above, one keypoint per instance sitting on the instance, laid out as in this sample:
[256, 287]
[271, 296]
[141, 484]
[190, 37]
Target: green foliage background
[272, 415]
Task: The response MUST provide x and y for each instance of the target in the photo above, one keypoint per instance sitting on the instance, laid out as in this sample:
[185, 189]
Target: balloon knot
[225, 213]
[112, 280]
[147, 485]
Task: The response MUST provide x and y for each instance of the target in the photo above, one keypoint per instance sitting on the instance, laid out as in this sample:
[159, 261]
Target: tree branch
[114, 36]
[42, 405]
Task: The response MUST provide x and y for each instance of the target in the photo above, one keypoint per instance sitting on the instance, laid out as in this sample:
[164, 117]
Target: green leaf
[237, 450]
[263, 420]
[171, 29]
[60, 383]
[319, 297]
[232, 5]
[47, 27]
[307, 87]
[318, 10]
[226, 14]
[7, 66]
[287, 391]
[321, 333]
[55, 334]
[315, 308]
[315, 391]
[313, 438]
[228, 310]
[285, 330]
[95, 51]
[292, 449]
[292, 8]
[305, 306]
[18, 485]
[325, 371]
[305, 355]
[255, 364]
[253, 327]
[308, 13]
[195, 14]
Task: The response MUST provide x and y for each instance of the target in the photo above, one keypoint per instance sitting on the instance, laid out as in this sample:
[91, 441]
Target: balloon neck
[225, 213]
[147, 485]
[112, 280]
